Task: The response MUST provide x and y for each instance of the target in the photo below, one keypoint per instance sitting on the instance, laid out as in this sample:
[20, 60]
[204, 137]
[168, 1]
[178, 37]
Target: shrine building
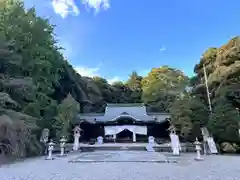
[124, 123]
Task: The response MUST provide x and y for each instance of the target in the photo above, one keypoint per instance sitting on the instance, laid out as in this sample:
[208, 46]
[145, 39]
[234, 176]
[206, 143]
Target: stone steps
[120, 147]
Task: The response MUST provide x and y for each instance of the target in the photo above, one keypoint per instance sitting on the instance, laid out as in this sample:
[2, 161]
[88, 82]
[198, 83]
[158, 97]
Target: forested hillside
[193, 111]
[40, 89]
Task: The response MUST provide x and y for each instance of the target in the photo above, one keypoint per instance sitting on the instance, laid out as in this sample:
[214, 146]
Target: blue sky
[125, 35]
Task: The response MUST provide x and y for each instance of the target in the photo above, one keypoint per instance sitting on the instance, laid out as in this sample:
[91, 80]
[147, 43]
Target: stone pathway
[212, 168]
[120, 156]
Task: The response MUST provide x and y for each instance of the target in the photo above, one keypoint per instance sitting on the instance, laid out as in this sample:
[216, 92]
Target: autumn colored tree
[134, 83]
[162, 86]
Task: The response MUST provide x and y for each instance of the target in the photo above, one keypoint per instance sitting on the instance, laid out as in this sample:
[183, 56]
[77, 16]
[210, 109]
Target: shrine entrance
[124, 136]
[124, 123]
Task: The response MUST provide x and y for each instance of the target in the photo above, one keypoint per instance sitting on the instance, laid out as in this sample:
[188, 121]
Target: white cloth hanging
[113, 130]
[141, 130]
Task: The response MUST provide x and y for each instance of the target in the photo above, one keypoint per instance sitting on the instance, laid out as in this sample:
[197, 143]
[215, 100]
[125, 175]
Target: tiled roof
[114, 112]
[125, 105]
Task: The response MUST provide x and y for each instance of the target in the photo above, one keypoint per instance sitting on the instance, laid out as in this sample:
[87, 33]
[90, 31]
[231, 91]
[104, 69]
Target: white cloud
[92, 72]
[114, 79]
[86, 71]
[65, 7]
[163, 49]
[96, 4]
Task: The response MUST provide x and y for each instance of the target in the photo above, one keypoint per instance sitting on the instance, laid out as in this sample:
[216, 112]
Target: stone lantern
[198, 150]
[50, 150]
[63, 141]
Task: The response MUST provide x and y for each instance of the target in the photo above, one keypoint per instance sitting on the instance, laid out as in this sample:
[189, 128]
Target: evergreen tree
[223, 123]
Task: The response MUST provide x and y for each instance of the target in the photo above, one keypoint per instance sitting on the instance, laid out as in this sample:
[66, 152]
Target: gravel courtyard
[214, 167]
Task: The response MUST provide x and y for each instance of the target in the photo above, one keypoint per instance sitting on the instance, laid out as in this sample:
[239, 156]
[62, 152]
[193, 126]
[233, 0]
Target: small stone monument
[63, 141]
[151, 142]
[100, 140]
[44, 139]
[198, 150]
[76, 133]
[50, 150]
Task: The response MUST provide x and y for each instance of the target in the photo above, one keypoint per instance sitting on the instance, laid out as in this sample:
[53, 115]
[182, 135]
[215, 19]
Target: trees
[188, 115]
[224, 120]
[223, 123]
[16, 128]
[107, 93]
[66, 112]
[31, 71]
[162, 86]
[222, 67]
[134, 83]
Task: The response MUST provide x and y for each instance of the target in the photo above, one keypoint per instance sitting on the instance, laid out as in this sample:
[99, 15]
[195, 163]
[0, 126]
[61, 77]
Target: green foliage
[223, 122]
[134, 83]
[162, 86]
[188, 115]
[222, 67]
[66, 112]
[107, 93]
[30, 66]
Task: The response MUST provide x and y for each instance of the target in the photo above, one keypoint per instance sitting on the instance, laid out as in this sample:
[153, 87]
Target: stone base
[176, 154]
[64, 155]
[199, 159]
[150, 149]
[47, 158]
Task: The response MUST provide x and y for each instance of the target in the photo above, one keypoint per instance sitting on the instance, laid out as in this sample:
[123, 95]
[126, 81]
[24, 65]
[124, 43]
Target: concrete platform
[120, 156]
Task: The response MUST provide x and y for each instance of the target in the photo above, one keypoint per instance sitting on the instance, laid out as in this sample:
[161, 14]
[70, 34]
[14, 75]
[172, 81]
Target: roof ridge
[125, 105]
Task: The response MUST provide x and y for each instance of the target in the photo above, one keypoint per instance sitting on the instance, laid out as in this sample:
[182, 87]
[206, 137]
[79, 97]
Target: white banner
[113, 130]
[212, 145]
[141, 130]
[175, 143]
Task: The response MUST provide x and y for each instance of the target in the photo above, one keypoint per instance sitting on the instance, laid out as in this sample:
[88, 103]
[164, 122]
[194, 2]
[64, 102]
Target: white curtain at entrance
[113, 130]
[141, 130]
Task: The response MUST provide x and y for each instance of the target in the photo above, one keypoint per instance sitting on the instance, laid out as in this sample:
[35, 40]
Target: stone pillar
[76, 138]
[44, 139]
[114, 137]
[151, 143]
[134, 137]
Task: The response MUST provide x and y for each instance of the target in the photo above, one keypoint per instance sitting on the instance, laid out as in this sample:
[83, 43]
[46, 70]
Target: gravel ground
[212, 168]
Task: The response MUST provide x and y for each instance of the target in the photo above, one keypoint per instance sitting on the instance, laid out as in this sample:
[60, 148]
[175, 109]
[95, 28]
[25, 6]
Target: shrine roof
[126, 105]
[114, 112]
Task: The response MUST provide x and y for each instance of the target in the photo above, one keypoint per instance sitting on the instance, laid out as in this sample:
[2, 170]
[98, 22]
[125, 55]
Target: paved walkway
[120, 156]
[212, 168]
